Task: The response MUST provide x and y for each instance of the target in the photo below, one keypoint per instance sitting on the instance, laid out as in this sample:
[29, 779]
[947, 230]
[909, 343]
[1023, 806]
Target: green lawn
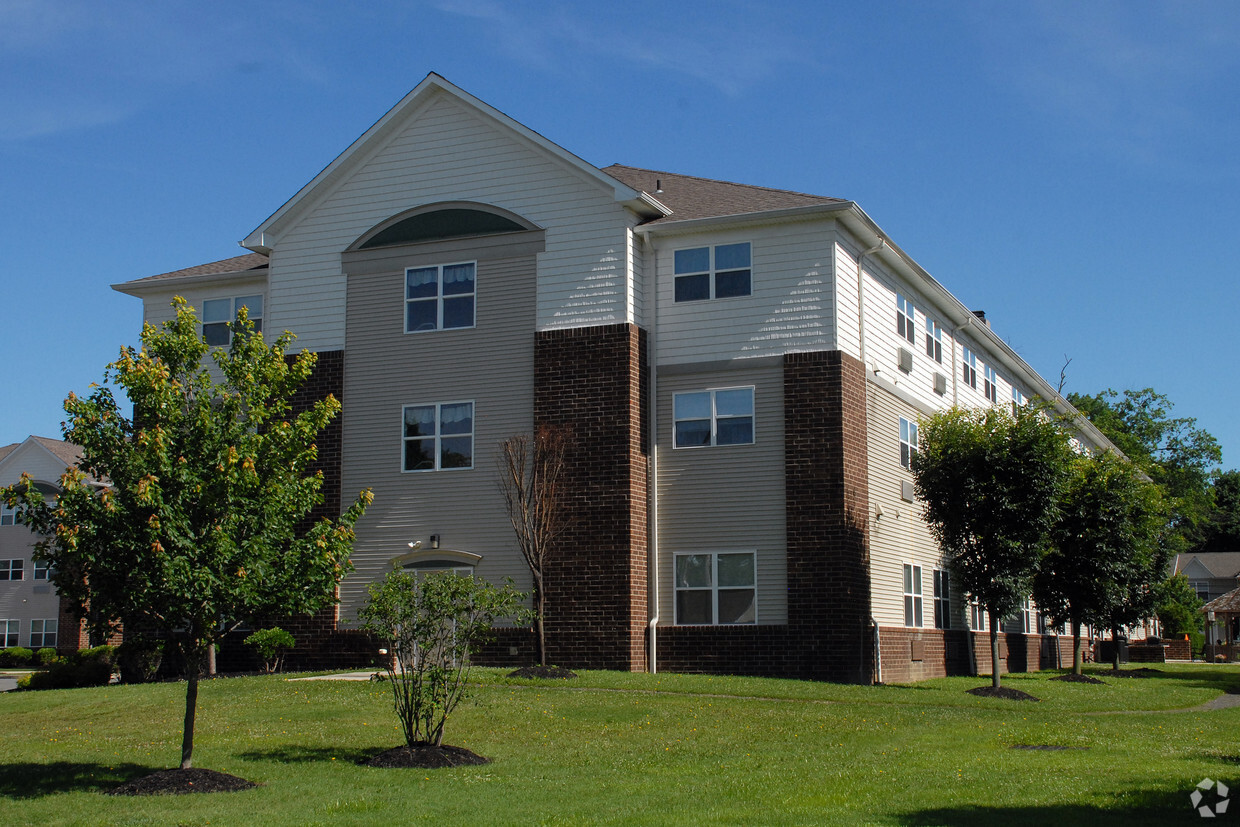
[615, 748]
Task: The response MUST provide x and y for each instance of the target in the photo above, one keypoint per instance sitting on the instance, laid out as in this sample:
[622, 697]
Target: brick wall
[592, 382]
[918, 654]
[827, 486]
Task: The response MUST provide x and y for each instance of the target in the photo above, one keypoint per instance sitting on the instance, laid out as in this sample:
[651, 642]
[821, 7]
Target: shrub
[46, 656]
[271, 644]
[434, 623]
[139, 658]
[18, 657]
[88, 667]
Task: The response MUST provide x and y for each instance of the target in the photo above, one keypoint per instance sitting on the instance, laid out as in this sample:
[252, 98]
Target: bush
[139, 658]
[88, 667]
[46, 656]
[271, 644]
[16, 657]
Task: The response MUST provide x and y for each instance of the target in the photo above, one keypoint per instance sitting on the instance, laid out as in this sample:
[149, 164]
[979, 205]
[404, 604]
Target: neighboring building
[31, 613]
[741, 370]
[1211, 575]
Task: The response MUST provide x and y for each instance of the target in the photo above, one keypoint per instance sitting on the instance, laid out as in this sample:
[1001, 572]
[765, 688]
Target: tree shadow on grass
[31, 780]
[1145, 807]
[306, 755]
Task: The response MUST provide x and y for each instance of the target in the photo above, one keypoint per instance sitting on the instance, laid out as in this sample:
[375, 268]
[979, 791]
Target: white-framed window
[934, 340]
[969, 374]
[1018, 400]
[719, 416]
[1027, 622]
[912, 595]
[219, 316]
[9, 631]
[719, 272]
[942, 599]
[906, 319]
[11, 569]
[39, 570]
[716, 588]
[440, 297]
[8, 516]
[977, 616]
[991, 384]
[438, 437]
[908, 441]
[1202, 588]
[43, 633]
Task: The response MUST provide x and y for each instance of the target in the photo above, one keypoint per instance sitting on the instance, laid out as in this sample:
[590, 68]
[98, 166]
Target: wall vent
[906, 360]
[940, 384]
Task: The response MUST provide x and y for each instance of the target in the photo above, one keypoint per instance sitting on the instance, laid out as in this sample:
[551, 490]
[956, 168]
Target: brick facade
[827, 486]
[592, 382]
[910, 654]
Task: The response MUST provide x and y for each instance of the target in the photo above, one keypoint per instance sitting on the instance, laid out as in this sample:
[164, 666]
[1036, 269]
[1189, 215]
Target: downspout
[652, 483]
[878, 652]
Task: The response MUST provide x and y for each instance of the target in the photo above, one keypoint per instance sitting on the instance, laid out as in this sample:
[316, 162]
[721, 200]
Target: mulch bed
[1004, 692]
[179, 782]
[542, 672]
[425, 757]
[1072, 677]
[1143, 672]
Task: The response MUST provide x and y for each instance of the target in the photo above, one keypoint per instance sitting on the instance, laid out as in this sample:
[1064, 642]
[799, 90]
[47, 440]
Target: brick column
[592, 382]
[827, 485]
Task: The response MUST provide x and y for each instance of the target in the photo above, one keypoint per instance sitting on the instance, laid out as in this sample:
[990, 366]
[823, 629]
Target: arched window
[440, 222]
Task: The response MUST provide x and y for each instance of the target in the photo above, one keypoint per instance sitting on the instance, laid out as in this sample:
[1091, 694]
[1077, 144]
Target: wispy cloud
[729, 49]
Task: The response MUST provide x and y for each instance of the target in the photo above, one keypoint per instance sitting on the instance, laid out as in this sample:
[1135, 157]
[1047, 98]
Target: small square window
[723, 416]
[11, 569]
[441, 297]
[219, 318]
[43, 633]
[719, 272]
[716, 588]
[9, 633]
[438, 437]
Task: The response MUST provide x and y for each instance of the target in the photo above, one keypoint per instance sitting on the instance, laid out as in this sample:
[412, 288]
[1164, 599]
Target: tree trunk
[994, 650]
[1076, 647]
[540, 603]
[193, 668]
[1115, 647]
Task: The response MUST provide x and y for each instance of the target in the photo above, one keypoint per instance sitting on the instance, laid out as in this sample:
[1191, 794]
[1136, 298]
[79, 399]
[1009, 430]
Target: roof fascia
[145, 287]
[265, 236]
[23, 449]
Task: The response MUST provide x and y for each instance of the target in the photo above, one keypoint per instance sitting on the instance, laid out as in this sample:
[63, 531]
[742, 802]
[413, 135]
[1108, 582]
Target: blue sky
[1071, 168]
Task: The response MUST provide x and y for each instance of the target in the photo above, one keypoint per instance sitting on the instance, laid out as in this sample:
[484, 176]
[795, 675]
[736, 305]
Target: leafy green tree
[990, 481]
[1173, 451]
[1104, 555]
[1179, 609]
[1220, 531]
[194, 508]
[433, 623]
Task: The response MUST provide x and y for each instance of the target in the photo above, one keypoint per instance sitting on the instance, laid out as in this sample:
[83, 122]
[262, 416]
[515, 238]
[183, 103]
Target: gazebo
[1225, 611]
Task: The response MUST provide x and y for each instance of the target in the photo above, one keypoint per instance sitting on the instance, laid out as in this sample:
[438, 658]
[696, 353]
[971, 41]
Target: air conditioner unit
[940, 384]
[906, 360]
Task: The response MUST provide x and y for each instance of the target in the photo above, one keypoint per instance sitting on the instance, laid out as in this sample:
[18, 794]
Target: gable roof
[62, 452]
[1218, 564]
[691, 197]
[250, 264]
[262, 239]
[1228, 603]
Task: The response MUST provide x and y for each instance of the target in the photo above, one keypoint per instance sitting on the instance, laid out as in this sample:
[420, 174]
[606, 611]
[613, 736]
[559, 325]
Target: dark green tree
[1179, 609]
[195, 507]
[1220, 531]
[1104, 558]
[990, 481]
[1177, 455]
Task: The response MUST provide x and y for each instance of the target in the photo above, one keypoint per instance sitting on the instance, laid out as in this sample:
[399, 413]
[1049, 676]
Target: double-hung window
[908, 441]
[942, 600]
[977, 616]
[9, 631]
[912, 595]
[719, 272]
[934, 340]
[716, 588]
[43, 633]
[219, 317]
[722, 416]
[906, 319]
[8, 516]
[11, 569]
[40, 570]
[991, 384]
[440, 297]
[1018, 400]
[438, 437]
[969, 373]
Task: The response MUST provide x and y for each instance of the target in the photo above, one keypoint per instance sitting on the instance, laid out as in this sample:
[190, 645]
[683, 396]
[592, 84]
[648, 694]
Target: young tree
[529, 478]
[990, 482]
[192, 509]
[1178, 607]
[433, 623]
[1104, 549]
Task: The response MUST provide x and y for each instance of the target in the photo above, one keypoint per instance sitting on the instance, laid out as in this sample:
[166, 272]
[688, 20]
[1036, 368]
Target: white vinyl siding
[711, 499]
[447, 152]
[790, 307]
